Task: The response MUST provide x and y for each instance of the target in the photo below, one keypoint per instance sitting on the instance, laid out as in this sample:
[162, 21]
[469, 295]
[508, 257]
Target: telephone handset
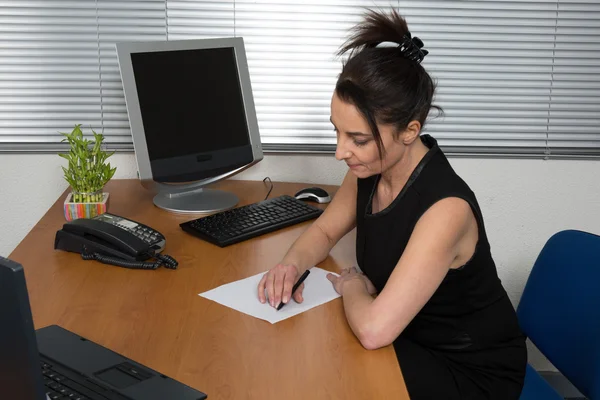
[114, 240]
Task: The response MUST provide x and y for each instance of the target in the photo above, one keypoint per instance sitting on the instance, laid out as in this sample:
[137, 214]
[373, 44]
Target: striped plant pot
[75, 210]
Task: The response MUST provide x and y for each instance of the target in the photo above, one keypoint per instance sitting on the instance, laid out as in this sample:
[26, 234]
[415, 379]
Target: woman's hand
[278, 283]
[349, 274]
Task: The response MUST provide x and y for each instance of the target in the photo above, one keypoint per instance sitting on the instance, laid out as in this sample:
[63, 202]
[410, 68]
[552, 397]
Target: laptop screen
[20, 373]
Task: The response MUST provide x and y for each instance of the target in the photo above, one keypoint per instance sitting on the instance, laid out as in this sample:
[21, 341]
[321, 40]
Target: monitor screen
[190, 101]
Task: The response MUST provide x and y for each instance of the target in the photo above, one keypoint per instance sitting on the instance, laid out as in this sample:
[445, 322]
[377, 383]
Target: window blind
[515, 78]
[493, 64]
[49, 71]
[574, 125]
[291, 49]
[122, 21]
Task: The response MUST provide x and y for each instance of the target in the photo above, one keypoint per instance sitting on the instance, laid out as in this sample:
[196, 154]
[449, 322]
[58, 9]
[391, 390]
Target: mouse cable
[271, 188]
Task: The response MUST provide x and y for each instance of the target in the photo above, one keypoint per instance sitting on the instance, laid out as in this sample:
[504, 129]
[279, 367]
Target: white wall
[523, 201]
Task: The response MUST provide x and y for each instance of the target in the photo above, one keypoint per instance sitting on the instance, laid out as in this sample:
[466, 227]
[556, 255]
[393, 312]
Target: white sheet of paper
[242, 296]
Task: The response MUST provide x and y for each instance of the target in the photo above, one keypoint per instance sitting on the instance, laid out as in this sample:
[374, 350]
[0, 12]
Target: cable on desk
[271, 188]
[167, 261]
[162, 259]
[120, 262]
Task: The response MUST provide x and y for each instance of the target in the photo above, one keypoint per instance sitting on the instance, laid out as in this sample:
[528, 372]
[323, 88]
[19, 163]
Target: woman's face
[356, 145]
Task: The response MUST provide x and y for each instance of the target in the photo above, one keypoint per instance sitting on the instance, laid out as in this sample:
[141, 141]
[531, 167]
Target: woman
[429, 285]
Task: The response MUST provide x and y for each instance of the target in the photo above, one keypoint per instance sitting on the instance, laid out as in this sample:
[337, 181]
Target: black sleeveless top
[470, 310]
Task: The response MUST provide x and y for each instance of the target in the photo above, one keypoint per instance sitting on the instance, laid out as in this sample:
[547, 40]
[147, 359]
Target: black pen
[296, 286]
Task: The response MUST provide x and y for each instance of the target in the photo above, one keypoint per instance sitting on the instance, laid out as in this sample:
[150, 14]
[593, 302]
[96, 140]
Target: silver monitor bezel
[124, 51]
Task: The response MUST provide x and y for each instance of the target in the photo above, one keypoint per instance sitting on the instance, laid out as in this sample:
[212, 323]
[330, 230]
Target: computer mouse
[313, 194]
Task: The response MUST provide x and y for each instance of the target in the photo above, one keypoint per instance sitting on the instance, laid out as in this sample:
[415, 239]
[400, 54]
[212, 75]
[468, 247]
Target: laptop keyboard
[59, 387]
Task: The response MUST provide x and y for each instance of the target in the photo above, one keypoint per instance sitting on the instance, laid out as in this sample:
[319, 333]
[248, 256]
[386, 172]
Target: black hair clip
[411, 48]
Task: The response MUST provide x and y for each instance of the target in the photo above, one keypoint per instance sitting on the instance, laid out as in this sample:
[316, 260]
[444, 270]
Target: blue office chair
[560, 312]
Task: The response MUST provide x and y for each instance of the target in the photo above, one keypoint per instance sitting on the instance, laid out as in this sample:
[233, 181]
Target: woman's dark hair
[383, 84]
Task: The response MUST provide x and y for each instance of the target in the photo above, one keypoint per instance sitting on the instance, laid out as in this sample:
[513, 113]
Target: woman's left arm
[430, 252]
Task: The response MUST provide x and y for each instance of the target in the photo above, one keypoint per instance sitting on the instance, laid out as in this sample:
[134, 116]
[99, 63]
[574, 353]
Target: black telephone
[114, 240]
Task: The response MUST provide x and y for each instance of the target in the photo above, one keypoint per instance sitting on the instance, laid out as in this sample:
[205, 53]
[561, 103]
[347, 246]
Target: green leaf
[87, 170]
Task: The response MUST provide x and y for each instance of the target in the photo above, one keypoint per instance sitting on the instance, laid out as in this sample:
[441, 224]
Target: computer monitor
[192, 118]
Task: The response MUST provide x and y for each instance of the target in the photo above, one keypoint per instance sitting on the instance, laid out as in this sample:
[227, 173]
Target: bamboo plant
[87, 171]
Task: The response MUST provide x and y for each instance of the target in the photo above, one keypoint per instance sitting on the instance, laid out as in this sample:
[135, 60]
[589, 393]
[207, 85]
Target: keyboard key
[54, 396]
[53, 385]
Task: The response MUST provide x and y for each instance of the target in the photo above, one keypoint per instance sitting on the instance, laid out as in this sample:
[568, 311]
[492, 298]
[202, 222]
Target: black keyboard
[242, 223]
[59, 387]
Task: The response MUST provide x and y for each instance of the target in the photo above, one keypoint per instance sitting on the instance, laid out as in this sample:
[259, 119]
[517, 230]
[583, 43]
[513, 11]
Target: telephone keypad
[143, 232]
[148, 235]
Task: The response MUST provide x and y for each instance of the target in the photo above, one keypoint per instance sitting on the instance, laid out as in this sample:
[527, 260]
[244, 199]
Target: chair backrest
[560, 307]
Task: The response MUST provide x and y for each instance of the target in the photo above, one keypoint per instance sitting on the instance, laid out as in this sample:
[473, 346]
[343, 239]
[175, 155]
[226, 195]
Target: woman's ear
[411, 133]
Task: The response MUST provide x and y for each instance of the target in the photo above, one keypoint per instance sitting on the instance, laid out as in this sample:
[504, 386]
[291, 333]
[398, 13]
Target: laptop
[54, 363]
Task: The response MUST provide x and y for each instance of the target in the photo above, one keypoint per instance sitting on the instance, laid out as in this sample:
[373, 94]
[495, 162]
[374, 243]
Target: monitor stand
[199, 200]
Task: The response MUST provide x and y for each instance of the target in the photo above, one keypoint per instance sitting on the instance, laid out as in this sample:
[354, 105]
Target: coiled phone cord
[168, 261]
[163, 259]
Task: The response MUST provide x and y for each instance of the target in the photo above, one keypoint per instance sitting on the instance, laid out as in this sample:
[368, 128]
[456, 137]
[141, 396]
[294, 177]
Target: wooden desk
[158, 319]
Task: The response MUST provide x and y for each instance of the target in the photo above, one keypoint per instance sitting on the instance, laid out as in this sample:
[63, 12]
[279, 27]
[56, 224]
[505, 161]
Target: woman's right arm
[312, 246]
